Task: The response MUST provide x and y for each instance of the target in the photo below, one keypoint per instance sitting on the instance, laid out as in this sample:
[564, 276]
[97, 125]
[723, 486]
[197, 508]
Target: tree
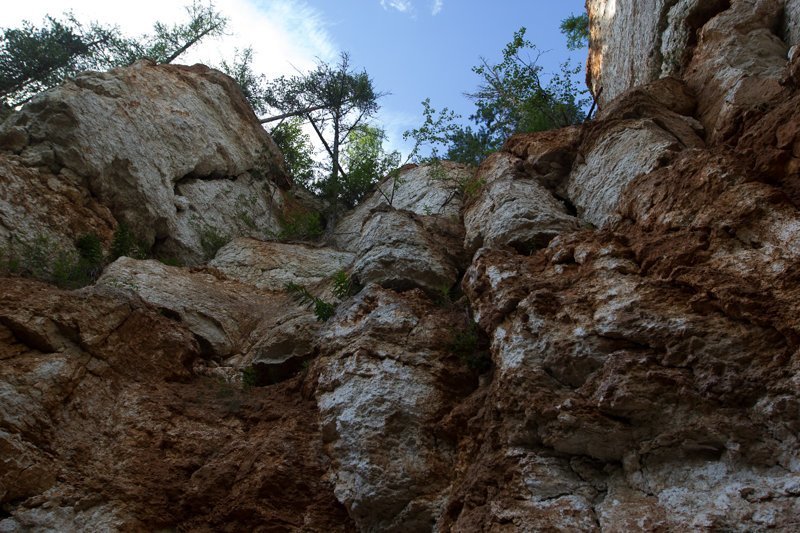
[335, 100]
[253, 85]
[576, 30]
[366, 161]
[515, 96]
[297, 151]
[167, 43]
[33, 59]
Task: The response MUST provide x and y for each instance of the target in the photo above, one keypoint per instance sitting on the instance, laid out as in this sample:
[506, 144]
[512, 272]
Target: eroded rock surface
[597, 330]
[174, 152]
[111, 430]
[385, 379]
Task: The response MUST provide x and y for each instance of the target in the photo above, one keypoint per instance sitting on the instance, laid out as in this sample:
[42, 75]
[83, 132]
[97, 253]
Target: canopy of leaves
[514, 96]
[576, 30]
[337, 102]
[366, 163]
[253, 85]
[297, 151]
[33, 59]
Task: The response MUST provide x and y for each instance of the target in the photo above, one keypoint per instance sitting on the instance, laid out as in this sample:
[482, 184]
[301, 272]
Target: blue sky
[412, 49]
[414, 53]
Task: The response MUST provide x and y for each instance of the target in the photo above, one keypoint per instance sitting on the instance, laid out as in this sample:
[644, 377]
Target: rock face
[174, 152]
[596, 330]
[385, 379]
[732, 52]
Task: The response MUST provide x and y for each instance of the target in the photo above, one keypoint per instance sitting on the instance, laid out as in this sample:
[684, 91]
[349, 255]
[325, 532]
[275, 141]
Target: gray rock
[424, 190]
[513, 210]
[272, 265]
[398, 250]
[143, 135]
[623, 151]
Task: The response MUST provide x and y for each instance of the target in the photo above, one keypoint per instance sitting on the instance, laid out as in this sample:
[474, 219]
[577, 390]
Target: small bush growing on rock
[211, 241]
[301, 225]
[249, 377]
[43, 259]
[466, 344]
[125, 244]
[322, 309]
[344, 285]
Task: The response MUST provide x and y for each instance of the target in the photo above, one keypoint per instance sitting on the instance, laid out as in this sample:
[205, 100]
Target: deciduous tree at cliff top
[33, 59]
[336, 101]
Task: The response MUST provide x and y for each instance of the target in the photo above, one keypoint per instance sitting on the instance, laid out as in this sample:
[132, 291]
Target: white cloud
[285, 34]
[437, 7]
[403, 6]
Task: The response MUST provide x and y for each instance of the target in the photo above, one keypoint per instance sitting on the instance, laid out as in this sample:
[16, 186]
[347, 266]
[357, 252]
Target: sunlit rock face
[174, 152]
[595, 330]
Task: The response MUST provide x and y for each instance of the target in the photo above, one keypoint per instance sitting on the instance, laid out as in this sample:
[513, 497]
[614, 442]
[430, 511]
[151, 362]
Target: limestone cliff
[595, 330]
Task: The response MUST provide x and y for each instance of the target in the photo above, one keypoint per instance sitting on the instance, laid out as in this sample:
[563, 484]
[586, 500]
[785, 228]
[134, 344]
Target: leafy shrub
[125, 244]
[41, 258]
[344, 286]
[211, 241]
[249, 377]
[467, 346]
[301, 225]
[322, 309]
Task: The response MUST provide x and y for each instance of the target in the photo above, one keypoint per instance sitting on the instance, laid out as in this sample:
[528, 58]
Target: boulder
[402, 250]
[272, 265]
[512, 209]
[37, 206]
[430, 190]
[384, 380]
[175, 152]
[738, 63]
[108, 428]
[620, 151]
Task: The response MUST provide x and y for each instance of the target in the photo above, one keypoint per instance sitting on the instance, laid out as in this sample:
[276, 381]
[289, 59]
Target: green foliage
[514, 96]
[33, 59]
[167, 43]
[124, 243]
[344, 285]
[253, 85]
[299, 225]
[211, 240]
[366, 163]
[41, 258]
[295, 145]
[322, 309]
[336, 101]
[465, 344]
[249, 377]
[436, 133]
[576, 29]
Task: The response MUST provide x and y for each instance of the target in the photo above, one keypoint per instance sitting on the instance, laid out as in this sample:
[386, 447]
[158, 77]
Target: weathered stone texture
[175, 152]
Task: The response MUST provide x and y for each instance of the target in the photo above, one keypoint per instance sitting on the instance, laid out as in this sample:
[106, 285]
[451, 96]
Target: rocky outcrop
[273, 265]
[513, 209]
[596, 330]
[424, 190]
[731, 53]
[108, 428]
[401, 250]
[174, 152]
[385, 379]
